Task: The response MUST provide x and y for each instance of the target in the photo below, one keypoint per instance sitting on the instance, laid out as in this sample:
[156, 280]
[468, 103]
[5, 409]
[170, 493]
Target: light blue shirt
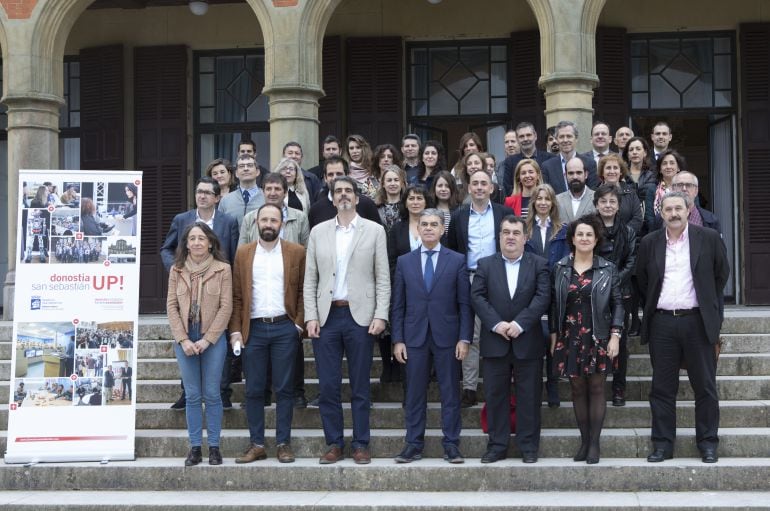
[424, 256]
[481, 235]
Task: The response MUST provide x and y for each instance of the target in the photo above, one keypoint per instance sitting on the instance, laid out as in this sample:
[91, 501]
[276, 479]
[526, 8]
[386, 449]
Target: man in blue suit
[431, 319]
[510, 293]
[554, 170]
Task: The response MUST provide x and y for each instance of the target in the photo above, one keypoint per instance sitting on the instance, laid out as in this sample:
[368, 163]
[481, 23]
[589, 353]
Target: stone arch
[545, 24]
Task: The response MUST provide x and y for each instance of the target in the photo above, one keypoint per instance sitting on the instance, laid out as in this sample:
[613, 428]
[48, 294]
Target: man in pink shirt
[682, 271]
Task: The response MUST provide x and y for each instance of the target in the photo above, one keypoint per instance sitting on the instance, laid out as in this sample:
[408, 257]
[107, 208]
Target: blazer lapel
[524, 270]
[660, 253]
[286, 270]
[357, 235]
[439, 267]
[695, 247]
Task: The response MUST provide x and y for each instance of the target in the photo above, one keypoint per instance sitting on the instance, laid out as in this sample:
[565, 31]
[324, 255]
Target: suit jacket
[554, 176]
[710, 271]
[590, 154]
[323, 209]
[225, 227]
[398, 243]
[509, 167]
[556, 247]
[368, 276]
[233, 204]
[564, 201]
[295, 228]
[445, 308]
[457, 237]
[293, 285]
[493, 303]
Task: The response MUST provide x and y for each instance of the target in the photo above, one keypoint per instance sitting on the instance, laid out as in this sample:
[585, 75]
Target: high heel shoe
[582, 453]
[193, 457]
[592, 456]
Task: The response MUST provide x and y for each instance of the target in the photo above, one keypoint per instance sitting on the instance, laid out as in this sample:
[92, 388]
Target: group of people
[446, 268]
[93, 338]
[71, 250]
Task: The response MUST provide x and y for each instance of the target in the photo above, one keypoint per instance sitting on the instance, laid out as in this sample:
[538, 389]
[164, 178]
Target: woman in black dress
[586, 320]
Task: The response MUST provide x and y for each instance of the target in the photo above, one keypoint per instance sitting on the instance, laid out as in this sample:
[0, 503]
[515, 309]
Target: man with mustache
[267, 319]
[682, 270]
[579, 199]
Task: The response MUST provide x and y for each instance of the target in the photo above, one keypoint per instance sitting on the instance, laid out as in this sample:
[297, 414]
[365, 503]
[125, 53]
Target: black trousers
[672, 338]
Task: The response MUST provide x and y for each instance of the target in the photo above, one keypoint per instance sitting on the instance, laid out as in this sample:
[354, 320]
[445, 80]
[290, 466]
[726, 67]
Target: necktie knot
[246, 196]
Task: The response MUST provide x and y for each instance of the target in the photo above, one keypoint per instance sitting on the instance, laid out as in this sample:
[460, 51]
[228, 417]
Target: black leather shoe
[553, 394]
[409, 454]
[313, 403]
[709, 456]
[529, 457]
[659, 455]
[452, 455]
[636, 325]
[300, 402]
[226, 403]
[468, 399]
[215, 457]
[193, 457]
[268, 398]
[618, 398]
[180, 404]
[493, 456]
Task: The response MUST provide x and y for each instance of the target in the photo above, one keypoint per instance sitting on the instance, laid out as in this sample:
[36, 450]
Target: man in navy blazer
[510, 293]
[224, 226]
[553, 169]
[431, 317]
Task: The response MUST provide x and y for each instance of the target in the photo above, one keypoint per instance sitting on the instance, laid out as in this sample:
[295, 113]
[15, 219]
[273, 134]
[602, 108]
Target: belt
[678, 312]
[340, 303]
[274, 319]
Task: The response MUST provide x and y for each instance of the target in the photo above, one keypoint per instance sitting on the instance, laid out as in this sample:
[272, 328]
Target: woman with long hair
[41, 198]
[670, 163]
[130, 209]
[613, 170]
[548, 239]
[389, 195]
[89, 224]
[384, 156]
[297, 196]
[585, 322]
[432, 161]
[637, 156]
[358, 152]
[445, 196]
[220, 171]
[199, 305]
[526, 177]
[469, 143]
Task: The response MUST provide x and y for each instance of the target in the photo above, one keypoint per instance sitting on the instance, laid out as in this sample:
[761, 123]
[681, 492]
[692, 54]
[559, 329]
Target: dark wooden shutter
[611, 98]
[101, 108]
[374, 68]
[527, 102]
[330, 106]
[755, 124]
[160, 110]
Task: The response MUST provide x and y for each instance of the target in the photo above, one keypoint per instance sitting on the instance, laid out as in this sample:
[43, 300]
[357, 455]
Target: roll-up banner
[73, 390]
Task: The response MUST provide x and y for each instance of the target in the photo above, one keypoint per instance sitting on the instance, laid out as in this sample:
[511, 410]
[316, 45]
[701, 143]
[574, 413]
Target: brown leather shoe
[333, 455]
[285, 454]
[253, 453]
[362, 456]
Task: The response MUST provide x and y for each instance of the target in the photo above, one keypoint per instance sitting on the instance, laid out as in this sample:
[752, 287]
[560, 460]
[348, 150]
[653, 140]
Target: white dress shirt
[343, 239]
[267, 283]
[209, 222]
[512, 267]
[576, 201]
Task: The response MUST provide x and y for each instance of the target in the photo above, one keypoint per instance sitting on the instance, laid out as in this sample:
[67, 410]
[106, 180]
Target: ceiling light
[200, 7]
[434, 2]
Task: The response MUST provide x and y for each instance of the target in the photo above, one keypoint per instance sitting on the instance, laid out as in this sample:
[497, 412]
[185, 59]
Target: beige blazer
[564, 200]
[296, 228]
[368, 274]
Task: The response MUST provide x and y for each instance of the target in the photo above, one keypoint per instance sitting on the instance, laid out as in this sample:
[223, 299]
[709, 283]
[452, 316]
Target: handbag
[485, 424]
[717, 351]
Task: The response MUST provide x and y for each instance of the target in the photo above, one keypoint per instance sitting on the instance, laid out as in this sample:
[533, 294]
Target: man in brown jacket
[268, 314]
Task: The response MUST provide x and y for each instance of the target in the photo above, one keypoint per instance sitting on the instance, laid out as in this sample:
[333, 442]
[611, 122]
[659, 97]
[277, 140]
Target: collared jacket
[606, 301]
[216, 302]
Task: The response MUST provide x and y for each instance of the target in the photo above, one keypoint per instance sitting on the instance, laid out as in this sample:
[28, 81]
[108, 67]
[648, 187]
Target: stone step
[386, 443]
[433, 475]
[636, 414]
[386, 501]
[730, 364]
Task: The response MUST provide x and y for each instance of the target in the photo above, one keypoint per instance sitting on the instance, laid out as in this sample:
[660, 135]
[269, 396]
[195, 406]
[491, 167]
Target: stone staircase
[623, 479]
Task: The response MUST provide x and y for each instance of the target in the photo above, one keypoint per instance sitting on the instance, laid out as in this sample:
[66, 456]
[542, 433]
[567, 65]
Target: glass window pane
[499, 83]
[680, 73]
[419, 107]
[258, 110]
[262, 139]
[441, 102]
[228, 67]
[419, 81]
[662, 94]
[722, 45]
[75, 120]
[69, 153]
[723, 72]
[206, 86]
[419, 56]
[638, 48]
[638, 74]
[74, 99]
[476, 59]
[698, 51]
[500, 106]
[441, 60]
[459, 80]
[723, 98]
[699, 95]
[662, 51]
[206, 64]
[499, 53]
[75, 69]
[206, 115]
[228, 109]
[640, 100]
[476, 101]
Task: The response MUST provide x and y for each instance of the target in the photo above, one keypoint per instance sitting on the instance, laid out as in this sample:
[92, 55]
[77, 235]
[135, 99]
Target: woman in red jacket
[526, 177]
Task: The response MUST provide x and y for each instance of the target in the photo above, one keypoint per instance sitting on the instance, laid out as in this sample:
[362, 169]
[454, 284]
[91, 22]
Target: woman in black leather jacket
[585, 321]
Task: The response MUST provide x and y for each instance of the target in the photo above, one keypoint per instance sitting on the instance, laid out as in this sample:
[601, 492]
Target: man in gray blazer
[347, 298]
[579, 199]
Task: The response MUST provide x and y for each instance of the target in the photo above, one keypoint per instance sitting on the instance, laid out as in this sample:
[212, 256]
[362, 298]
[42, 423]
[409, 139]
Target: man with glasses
[687, 182]
[248, 197]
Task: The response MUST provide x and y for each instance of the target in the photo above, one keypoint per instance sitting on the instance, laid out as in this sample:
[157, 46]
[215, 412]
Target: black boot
[193, 457]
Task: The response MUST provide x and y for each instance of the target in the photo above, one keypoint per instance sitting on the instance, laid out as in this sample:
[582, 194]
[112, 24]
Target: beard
[576, 186]
[268, 234]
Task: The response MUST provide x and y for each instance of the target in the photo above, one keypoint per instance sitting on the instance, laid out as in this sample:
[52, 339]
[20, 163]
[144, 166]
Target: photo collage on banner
[76, 317]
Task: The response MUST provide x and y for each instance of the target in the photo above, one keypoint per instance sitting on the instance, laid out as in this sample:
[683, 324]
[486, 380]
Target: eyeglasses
[204, 192]
[684, 186]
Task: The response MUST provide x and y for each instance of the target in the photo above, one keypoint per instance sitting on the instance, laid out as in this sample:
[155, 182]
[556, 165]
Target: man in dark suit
[431, 318]
[223, 225]
[527, 138]
[553, 170]
[510, 293]
[475, 232]
[323, 208]
[682, 271]
[601, 138]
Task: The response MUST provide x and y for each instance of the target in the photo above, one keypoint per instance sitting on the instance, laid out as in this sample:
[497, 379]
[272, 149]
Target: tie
[246, 196]
[428, 276]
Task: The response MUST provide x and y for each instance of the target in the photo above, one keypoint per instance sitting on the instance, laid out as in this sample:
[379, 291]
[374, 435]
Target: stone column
[568, 61]
[293, 33]
[33, 143]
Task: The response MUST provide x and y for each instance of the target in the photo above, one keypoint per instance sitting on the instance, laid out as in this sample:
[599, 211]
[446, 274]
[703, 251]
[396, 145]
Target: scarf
[197, 271]
[358, 173]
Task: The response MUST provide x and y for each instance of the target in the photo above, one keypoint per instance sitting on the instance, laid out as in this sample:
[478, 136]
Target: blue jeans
[201, 375]
[276, 343]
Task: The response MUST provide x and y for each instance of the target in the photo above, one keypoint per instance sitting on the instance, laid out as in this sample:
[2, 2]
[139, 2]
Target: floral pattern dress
[577, 352]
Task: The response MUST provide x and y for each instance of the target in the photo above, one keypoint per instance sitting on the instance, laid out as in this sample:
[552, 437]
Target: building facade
[148, 85]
